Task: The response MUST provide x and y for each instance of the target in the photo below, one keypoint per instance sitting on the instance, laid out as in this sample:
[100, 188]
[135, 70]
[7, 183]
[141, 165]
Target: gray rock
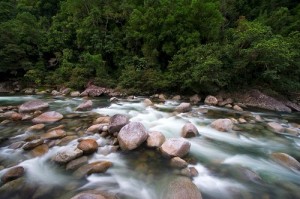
[93, 91]
[132, 136]
[67, 155]
[117, 122]
[33, 105]
[222, 125]
[182, 188]
[48, 117]
[189, 130]
[175, 147]
[211, 100]
[225, 102]
[183, 107]
[155, 139]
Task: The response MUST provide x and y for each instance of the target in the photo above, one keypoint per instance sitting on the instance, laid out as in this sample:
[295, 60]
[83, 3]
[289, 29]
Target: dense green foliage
[150, 46]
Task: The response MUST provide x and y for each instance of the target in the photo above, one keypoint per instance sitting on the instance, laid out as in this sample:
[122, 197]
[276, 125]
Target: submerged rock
[36, 127]
[117, 122]
[12, 174]
[155, 139]
[177, 162]
[88, 146]
[182, 188]
[237, 108]
[286, 160]
[75, 164]
[48, 117]
[189, 130]
[175, 147]
[95, 167]
[40, 150]
[132, 136]
[87, 105]
[222, 125]
[33, 105]
[183, 107]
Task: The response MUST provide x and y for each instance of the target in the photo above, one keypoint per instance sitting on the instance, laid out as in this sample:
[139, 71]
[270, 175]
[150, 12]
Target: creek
[235, 164]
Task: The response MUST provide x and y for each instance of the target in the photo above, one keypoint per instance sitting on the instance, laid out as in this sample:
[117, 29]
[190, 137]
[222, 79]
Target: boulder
[33, 105]
[67, 155]
[12, 174]
[175, 147]
[75, 94]
[182, 188]
[222, 125]
[36, 127]
[88, 196]
[255, 98]
[189, 130]
[162, 97]
[195, 99]
[155, 139]
[33, 144]
[117, 122]
[95, 167]
[286, 160]
[75, 164]
[132, 135]
[93, 91]
[148, 102]
[177, 162]
[211, 100]
[88, 146]
[54, 134]
[87, 105]
[183, 107]
[48, 117]
[276, 127]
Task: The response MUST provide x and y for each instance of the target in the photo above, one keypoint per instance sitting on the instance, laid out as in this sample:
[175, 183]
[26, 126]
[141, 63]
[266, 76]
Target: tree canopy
[151, 46]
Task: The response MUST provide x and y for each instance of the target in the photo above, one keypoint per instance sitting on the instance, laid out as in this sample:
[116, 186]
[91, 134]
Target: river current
[234, 164]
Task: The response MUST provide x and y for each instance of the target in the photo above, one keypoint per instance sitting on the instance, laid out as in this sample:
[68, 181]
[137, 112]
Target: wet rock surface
[224, 125]
[33, 105]
[117, 122]
[13, 174]
[175, 147]
[48, 117]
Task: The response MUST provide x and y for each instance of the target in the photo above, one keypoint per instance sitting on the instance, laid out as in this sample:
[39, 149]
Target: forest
[147, 46]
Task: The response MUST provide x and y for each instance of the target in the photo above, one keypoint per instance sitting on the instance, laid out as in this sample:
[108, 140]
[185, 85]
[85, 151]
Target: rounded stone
[48, 117]
[33, 106]
[88, 146]
[175, 147]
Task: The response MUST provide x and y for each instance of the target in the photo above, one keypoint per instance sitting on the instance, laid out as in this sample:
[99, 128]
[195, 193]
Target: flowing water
[233, 164]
